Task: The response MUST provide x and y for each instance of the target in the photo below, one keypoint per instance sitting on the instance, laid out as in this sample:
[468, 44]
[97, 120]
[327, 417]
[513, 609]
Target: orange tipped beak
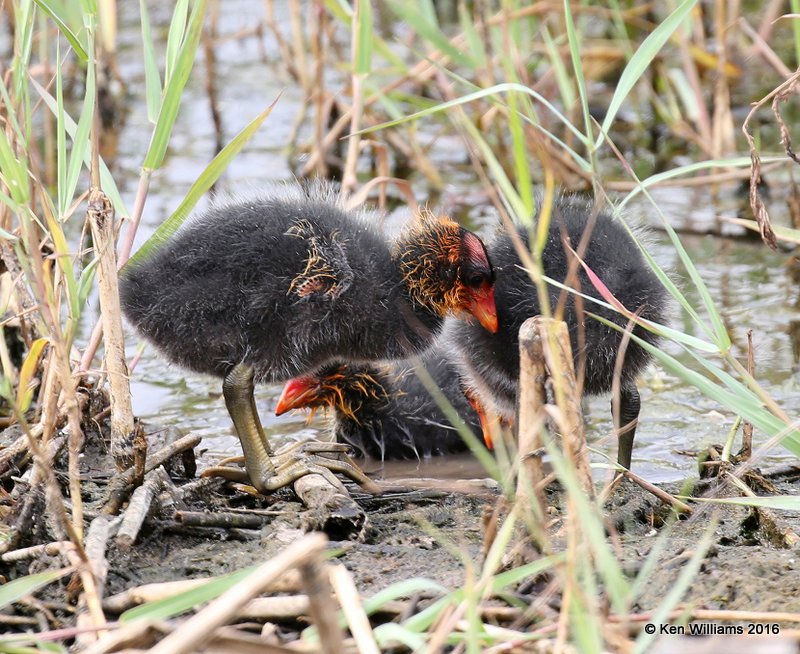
[486, 429]
[481, 305]
[297, 393]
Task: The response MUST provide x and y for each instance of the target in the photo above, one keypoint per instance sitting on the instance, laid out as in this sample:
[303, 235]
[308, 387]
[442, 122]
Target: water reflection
[750, 284]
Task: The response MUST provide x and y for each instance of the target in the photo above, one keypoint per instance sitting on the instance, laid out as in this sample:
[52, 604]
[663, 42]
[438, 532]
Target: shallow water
[751, 284]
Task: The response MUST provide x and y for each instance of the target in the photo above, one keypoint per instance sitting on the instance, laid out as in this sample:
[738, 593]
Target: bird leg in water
[629, 405]
[265, 470]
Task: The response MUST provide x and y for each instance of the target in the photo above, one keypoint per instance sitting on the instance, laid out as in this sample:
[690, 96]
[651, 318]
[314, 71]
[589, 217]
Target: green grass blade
[15, 590]
[477, 49]
[13, 172]
[681, 171]
[80, 141]
[152, 77]
[389, 634]
[175, 84]
[423, 21]
[639, 62]
[106, 179]
[738, 398]
[204, 182]
[405, 588]
[175, 37]
[577, 70]
[80, 49]
[363, 44]
[61, 142]
[169, 607]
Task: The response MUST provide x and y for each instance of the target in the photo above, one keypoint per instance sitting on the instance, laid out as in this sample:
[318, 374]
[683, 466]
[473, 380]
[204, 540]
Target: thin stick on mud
[197, 629]
[661, 494]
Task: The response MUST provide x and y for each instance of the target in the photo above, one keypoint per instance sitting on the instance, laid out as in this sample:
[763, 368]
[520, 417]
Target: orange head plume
[446, 269]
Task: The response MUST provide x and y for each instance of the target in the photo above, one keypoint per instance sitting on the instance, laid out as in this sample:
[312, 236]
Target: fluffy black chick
[268, 289]
[489, 363]
[385, 411]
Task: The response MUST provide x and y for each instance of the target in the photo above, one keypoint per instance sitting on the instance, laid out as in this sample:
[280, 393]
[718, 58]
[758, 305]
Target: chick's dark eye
[475, 279]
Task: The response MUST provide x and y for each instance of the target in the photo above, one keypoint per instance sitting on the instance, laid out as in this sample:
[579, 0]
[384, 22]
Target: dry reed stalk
[101, 217]
[532, 399]
[761, 47]
[722, 138]
[349, 600]
[208, 39]
[567, 413]
[319, 53]
[756, 203]
[197, 630]
[321, 604]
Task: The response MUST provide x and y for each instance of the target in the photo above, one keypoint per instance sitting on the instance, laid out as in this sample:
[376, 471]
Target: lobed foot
[293, 461]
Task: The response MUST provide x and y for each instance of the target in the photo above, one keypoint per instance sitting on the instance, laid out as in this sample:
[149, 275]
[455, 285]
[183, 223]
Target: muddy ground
[753, 562]
[746, 568]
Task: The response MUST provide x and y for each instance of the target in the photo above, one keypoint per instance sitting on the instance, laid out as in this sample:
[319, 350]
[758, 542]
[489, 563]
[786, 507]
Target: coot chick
[489, 363]
[268, 289]
[385, 411]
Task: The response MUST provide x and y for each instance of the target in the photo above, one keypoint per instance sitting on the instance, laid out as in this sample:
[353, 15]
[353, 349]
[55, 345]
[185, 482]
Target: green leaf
[405, 588]
[204, 182]
[640, 60]
[175, 37]
[106, 179]
[389, 634]
[475, 43]
[421, 17]
[363, 44]
[169, 607]
[574, 40]
[678, 589]
[26, 372]
[14, 173]
[15, 590]
[80, 141]
[61, 141]
[74, 41]
[175, 83]
[152, 77]
[86, 282]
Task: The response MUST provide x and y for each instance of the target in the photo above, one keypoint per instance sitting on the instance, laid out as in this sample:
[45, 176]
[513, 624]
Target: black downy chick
[268, 289]
[385, 411]
[489, 363]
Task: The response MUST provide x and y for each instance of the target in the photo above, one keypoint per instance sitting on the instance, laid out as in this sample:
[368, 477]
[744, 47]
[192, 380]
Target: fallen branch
[121, 484]
[138, 507]
[330, 508]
